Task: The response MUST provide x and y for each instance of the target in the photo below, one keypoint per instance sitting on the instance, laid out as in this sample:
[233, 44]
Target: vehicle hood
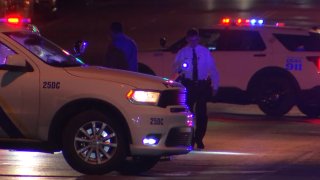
[134, 79]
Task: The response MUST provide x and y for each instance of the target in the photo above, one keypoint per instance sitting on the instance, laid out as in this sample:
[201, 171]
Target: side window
[300, 42]
[174, 48]
[233, 40]
[4, 52]
[210, 38]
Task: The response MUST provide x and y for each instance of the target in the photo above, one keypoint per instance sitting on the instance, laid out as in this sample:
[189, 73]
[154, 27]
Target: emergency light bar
[240, 21]
[15, 20]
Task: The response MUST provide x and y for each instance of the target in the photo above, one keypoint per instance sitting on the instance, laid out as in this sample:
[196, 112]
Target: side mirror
[79, 47]
[163, 42]
[16, 62]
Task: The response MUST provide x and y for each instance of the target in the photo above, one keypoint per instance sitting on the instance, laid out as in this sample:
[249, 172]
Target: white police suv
[102, 119]
[275, 67]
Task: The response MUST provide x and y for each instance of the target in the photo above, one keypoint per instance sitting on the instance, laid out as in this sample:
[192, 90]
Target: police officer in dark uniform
[122, 53]
[197, 72]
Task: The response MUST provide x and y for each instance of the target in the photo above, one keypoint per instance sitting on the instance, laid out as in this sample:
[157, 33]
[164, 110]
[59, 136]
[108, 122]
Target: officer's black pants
[198, 94]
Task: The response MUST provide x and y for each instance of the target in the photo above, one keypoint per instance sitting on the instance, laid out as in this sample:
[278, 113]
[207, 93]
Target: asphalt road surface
[241, 143]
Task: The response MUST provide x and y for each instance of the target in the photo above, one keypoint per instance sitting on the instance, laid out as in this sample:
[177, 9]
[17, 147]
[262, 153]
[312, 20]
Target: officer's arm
[214, 75]
[177, 67]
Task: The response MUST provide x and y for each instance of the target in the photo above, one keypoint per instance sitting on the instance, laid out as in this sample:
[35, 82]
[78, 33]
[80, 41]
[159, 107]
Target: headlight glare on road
[148, 97]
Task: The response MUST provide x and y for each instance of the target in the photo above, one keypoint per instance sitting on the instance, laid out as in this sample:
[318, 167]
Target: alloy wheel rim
[95, 142]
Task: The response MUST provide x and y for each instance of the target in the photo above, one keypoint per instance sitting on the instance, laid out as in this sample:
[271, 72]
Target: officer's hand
[176, 77]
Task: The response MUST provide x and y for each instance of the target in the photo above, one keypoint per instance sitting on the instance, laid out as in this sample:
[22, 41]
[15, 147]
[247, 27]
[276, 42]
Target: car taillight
[316, 61]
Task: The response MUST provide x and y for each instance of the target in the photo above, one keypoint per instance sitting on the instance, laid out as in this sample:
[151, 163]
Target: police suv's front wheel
[93, 143]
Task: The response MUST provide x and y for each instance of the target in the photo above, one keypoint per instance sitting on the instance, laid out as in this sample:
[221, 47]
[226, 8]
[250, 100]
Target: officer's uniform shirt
[206, 64]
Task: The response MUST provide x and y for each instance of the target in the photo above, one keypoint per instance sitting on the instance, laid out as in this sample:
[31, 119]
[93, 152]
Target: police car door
[238, 54]
[160, 61]
[19, 93]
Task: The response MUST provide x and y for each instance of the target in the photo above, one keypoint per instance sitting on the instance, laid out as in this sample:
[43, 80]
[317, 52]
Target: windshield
[47, 51]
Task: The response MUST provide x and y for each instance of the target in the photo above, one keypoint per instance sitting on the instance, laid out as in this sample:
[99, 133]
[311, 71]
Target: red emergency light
[239, 21]
[226, 21]
[13, 20]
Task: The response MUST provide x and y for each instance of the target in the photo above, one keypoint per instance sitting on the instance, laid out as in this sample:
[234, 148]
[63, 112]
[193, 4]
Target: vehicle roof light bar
[15, 20]
[240, 21]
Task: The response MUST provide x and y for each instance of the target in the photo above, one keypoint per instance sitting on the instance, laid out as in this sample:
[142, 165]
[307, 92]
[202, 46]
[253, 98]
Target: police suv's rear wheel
[275, 95]
[137, 164]
[93, 143]
[309, 104]
[310, 110]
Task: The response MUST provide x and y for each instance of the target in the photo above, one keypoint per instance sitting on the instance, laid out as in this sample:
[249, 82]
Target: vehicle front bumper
[173, 131]
[178, 141]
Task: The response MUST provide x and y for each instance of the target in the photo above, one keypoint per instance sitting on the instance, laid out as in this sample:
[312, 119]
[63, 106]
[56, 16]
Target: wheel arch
[66, 112]
[271, 71]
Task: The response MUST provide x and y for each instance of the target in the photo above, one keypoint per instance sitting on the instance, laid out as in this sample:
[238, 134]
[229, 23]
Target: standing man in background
[122, 53]
[196, 68]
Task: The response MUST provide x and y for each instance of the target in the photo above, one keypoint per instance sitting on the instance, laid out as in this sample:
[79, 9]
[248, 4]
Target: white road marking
[223, 153]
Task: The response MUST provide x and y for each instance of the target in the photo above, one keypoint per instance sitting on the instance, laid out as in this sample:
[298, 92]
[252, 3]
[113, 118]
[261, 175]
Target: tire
[309, 105]
[275, 95]
[310, 110]
[138, 164]
[81, 143]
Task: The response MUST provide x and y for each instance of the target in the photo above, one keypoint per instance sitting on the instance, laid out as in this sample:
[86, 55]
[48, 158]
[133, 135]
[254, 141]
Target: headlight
[148, 97]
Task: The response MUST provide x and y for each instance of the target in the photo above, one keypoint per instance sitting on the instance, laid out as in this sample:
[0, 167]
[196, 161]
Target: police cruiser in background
[275, 67]
[102, 119]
